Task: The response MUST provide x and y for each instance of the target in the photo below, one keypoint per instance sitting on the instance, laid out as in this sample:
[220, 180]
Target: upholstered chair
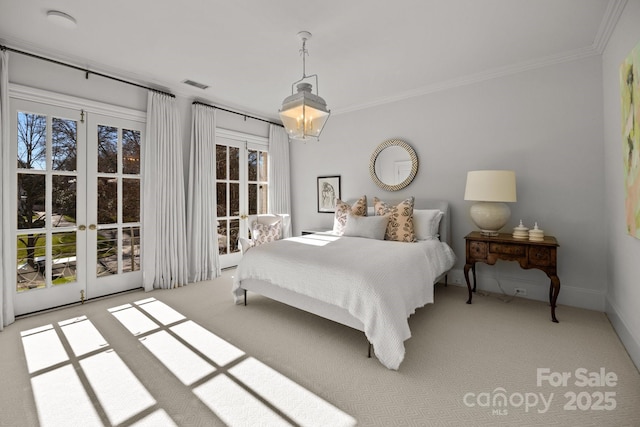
[263, 222]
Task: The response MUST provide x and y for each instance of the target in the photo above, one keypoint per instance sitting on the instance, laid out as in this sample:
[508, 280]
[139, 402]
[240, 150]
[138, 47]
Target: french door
[77, 199]
[242, 188]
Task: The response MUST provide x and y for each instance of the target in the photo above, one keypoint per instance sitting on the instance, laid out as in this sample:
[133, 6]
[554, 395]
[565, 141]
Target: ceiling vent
[195, 84]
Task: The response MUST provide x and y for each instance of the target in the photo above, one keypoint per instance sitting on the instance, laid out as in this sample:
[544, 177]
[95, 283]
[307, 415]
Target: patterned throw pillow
[400, 225]
[265, 233]
[343, 209]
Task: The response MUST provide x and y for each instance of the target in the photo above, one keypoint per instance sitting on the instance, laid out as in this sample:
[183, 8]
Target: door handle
[243, 217]
[82, 227]
[92, 227]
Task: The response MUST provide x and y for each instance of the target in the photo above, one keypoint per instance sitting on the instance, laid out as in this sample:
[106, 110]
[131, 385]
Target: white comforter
[381, 283]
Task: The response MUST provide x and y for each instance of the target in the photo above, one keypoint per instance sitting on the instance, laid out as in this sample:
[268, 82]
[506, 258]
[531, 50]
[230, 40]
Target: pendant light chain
[304, 52]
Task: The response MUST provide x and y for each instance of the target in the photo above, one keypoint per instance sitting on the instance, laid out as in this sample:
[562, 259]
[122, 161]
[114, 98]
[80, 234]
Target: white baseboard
[628, 340]
[536, 289]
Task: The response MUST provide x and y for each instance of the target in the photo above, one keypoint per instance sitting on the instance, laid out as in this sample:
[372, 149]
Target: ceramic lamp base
[490, 217]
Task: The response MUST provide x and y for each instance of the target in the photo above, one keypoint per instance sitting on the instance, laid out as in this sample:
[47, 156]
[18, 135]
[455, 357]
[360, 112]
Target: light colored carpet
[459, 359]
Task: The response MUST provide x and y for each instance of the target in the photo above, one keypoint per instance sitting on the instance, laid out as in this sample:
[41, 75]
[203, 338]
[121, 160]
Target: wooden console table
[529, 254]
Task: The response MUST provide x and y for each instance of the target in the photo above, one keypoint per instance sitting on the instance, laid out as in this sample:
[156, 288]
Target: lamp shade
[304, 114]
[491, 186]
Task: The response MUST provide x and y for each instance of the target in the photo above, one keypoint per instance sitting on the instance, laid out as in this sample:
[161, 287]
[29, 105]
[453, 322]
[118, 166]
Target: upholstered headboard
[419, 203]
[445, 222]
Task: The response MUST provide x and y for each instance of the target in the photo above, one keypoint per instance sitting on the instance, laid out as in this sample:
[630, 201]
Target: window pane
[234, 230]
[252, 164]
[253, 198]
[31, 197]
[234, 163]
[221, 194]
[63, 264]
[32, 140]
[131, 152]
[64, 144]
[263, 202]
[130, 200]
[264, 163]
[31, 262]
[107, 252]
[107, 200]
[63, 201]
[221, 162]
[222, 236]
[130, 249]
[107, 149]
[234, 199]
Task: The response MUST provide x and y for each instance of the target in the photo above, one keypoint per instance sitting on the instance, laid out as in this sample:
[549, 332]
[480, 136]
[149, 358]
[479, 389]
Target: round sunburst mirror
[393, 165]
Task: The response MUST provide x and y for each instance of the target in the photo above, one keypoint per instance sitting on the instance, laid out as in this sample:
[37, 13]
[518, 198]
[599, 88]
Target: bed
[367, 284]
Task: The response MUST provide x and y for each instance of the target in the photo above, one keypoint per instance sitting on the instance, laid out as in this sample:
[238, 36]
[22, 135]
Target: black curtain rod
[236, 112]
[86, 71]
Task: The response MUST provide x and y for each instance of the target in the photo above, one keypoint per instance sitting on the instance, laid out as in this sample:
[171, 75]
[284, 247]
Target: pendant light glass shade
[304, 113]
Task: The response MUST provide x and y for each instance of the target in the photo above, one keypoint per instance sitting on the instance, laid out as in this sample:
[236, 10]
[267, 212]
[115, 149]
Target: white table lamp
[490, 189]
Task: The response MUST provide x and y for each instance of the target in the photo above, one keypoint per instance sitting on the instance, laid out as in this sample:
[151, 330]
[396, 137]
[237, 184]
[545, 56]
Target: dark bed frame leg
[446, 277]
[245, 296]
[369, 356]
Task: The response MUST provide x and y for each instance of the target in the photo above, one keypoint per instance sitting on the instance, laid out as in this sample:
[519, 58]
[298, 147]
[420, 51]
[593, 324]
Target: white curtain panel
[279, 174]
[6, 241]
[202, 231]
[164, 255]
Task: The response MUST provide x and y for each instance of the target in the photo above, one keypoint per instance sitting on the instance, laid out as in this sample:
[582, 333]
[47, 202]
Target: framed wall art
[630, 97]
[328, 193]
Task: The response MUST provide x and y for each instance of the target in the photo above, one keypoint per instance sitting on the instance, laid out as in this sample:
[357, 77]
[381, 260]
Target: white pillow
[371, 227]
[426, 223]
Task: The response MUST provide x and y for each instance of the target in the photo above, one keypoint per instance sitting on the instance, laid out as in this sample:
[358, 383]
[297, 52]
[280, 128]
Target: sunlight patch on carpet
[120, 393]
[78, 379]
[83, 337]
[42, 348]
[134, 320]
[298, 403]
[63, 394]
[207, 343]
[160, 311]
[186, 365]
[61, 400]
[234, 405]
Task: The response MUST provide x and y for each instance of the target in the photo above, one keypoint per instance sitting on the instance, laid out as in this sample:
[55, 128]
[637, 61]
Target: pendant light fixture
[304, 114]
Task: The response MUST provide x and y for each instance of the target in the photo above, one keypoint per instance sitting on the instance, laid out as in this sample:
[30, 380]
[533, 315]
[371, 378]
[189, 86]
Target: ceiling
[365, 52]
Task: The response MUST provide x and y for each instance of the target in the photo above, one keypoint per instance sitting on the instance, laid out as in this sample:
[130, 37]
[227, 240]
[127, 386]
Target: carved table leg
[466, 277]
[475, 282]
[554, 290]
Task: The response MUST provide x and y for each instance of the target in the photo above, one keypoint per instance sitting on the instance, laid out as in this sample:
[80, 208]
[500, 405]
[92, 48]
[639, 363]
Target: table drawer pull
[507, 249]
[540, 256]
[478, 250]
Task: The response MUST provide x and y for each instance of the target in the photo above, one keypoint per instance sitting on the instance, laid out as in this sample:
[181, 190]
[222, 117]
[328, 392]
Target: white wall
[546, 124]
[623, 251]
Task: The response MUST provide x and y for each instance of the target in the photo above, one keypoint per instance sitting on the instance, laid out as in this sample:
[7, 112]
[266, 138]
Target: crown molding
[608, 24]
[494, 73]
